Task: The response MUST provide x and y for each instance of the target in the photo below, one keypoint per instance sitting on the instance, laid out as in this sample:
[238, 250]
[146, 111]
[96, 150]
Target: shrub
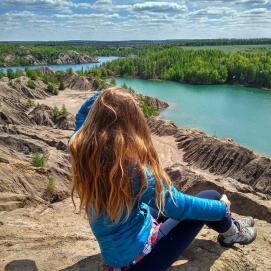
[32, 74]
[50, 88]
[11, 83]
[56, 112]
[52, 186]
[124, 86]
[113, 81]
[31, 84]
[99, 84]
[131, 90]
[29, 103]
[2, 74]
[69, 71]
[18, 73]
[61, 86]
[38, 160]
[147, 109]
[10, 74]
[55, 91]
[64, 112]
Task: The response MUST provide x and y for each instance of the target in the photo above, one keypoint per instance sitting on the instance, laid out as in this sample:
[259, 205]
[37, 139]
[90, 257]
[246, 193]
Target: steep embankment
[27, 57]
[220, 157]
[44, 236]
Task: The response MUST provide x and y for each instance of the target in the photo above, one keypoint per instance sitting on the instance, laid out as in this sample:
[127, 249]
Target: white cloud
[19, 15]
[88, 16]
[213, 11]
[37, 3]
[159, 7]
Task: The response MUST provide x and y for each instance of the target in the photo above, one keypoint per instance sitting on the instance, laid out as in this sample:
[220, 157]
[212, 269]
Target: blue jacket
[121, 243]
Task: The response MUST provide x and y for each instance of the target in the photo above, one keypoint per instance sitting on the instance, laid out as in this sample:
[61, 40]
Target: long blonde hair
[113, 141]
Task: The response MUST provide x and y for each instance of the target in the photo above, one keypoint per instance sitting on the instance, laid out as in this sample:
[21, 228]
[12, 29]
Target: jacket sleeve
[83, 112]
[182, 206]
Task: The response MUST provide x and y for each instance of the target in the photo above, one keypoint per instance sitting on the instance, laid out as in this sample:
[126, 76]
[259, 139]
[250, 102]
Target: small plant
[148, 109]
[38, 160]
[113, 82]
[99, 84]
[52, 89]
[131, 90]
[32, 74]
[10, 74]
[31, 84]
[55, 91]
[52, 186]
[2, 74]
[61, 86]
[11, 83]
[64, 111]
[124, 86]
[29, 103]
[69, 71]
[56, 112]
[19, 73]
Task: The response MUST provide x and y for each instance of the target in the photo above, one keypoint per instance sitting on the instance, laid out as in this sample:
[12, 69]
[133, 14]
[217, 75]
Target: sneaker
[246, 221]
[244, 236]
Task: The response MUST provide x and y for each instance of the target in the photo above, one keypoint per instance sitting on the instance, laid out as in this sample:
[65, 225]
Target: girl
[136, 214]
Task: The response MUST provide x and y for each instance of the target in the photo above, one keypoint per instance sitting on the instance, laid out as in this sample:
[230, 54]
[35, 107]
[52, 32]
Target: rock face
[47, 70]
[13, 109]
[44, 115]
[69, 57]
[18, 173]
[73, 57]
[75, 81]
[219, 157]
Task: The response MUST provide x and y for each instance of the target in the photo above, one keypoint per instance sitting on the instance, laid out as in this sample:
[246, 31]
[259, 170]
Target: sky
[133, 20]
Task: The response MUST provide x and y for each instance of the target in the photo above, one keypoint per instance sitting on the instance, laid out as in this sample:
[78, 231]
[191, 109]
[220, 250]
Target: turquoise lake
[237, 112]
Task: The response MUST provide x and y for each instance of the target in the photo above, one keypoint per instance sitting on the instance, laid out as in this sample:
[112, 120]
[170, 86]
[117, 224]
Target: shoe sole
[229, 245]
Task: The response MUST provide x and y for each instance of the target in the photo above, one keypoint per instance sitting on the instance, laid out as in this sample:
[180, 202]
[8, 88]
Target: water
[241, 113]
[64, 67]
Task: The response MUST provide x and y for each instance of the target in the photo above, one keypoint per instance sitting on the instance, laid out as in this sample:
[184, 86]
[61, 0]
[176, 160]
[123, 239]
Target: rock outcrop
[75, 81]
[44, 115]
[69, 57]
[220, 157]
[73, 57]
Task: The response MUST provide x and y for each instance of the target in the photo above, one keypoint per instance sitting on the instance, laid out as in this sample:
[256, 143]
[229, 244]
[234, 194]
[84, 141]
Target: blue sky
[130, 19]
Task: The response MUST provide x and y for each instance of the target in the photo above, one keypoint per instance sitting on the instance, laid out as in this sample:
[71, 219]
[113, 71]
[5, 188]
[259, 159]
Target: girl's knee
[209, 194]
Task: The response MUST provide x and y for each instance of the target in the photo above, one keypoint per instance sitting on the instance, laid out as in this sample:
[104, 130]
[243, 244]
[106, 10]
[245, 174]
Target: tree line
[201, 66]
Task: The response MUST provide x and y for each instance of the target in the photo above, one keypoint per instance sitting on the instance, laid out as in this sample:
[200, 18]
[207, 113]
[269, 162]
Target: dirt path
[71, 98]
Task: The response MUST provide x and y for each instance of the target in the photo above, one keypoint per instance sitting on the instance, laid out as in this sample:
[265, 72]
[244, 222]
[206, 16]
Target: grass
[31, 84]
[38, 160]
[30, 103]
[52, 186]
[63, 112]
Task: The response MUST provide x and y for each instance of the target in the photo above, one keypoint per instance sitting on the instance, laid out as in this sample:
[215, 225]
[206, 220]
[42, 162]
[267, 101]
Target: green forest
[201, 66]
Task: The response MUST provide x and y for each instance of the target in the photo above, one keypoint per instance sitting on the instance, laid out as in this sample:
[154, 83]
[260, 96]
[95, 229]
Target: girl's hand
[225, 199]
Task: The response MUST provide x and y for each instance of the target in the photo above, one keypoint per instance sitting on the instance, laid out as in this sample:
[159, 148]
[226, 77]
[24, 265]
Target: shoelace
[242, 230]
